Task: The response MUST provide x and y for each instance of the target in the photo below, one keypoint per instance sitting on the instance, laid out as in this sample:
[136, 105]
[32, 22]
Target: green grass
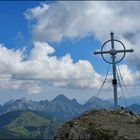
[27, 124]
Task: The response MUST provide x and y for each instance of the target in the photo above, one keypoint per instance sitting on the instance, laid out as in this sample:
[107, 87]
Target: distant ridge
[97, 103]
[135, 108]
[60, 108]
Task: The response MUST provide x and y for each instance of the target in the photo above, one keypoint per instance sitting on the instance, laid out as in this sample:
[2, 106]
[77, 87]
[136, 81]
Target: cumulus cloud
[43, 67]
[7, 82]
[127, 74]
[76, 19]
[34, 89]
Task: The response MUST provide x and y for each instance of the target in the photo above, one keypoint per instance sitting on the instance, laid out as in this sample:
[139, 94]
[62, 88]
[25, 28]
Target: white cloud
[34, 89]
[77, 19]
[128, 75]
[37, 12]
[7, 82]
[43, 67]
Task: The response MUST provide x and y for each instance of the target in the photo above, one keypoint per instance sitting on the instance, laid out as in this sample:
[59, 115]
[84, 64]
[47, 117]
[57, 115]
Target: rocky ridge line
[102, 124]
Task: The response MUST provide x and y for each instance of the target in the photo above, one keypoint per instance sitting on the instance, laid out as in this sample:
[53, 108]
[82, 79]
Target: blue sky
[46, 49]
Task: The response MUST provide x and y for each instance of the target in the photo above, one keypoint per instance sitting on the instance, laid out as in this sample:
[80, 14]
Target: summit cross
[113, 52]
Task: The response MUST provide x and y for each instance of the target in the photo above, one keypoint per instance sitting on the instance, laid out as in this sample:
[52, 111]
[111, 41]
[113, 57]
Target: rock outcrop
[102, 124]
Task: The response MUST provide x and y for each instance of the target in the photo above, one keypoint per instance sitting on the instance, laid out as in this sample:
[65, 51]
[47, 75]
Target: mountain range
[127, 101]
[60, 108]
[24, 118]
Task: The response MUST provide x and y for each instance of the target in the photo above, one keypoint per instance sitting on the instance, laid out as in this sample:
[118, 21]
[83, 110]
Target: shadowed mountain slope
[27, 124]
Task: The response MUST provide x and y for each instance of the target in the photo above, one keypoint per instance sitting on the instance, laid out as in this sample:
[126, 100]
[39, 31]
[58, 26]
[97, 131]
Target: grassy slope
[26, 124]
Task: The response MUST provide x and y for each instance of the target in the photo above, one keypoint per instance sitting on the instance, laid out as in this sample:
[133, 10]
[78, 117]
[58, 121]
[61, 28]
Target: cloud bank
[42, 66]
[77, 19]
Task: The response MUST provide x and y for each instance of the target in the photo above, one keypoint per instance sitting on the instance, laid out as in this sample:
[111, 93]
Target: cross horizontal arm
[126, 50]
[101, 52]
[114, 51]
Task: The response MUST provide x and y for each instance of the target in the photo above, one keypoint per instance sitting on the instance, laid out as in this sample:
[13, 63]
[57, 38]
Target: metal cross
[113, 52]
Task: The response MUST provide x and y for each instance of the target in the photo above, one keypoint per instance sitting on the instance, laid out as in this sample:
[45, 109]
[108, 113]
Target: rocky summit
[102, 124]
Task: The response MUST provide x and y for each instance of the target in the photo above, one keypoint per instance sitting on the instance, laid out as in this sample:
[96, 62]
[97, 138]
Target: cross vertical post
[114, 80]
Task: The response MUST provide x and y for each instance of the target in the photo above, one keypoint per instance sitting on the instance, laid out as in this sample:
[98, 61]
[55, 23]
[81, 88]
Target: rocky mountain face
[60, 108]
[27, 124]
[102, 124]
[24, 104]
[63, 108]
[97, 103]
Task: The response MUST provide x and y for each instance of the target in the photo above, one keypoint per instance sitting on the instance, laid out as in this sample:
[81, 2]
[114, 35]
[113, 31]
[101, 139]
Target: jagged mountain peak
[61, 98]
[97, 103]
[95, 99]
[74, 100]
